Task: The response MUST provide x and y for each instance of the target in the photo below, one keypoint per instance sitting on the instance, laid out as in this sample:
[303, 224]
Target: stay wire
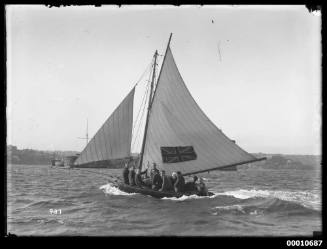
[99, 173]
[147, 68]
[139, 125]
[143, 98]
[143, 111]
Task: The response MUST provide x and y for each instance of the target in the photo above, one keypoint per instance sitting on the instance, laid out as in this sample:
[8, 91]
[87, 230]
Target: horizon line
[269, 153]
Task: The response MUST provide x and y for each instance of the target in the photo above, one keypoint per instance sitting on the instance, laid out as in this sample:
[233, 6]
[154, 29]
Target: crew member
[154, 170]
[125, 174]
[191, 186]
[202, 189]
[131, 176]
[166, 182]
[147, 170]
[146, 178]
[156, 180]
[173, 178]
[179, 184]
[138, 178]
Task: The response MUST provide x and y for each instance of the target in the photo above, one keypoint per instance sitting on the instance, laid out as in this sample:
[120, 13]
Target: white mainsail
[113, 139]
[175, 120]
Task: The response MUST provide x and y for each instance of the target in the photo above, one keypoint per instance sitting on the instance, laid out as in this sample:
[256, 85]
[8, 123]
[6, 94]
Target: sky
[254, 70]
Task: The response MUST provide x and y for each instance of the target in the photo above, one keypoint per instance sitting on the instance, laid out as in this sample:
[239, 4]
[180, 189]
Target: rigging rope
[143, 98]
[147, 68]
[141, 121]
[142, 114]
[138, 129]
[139, 125]
[99, 173]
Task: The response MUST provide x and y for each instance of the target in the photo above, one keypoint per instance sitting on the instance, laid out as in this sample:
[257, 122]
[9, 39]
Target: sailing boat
[55, 161]
[178, 136]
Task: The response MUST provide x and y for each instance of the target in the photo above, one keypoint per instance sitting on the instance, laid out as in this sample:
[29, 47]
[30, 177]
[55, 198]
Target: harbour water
[44, 201]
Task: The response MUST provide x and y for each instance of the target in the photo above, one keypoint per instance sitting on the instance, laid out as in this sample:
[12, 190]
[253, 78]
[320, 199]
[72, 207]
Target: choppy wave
[89, 206]
[259, 206]
[252, 202]
[184, 197]
[306, 199]
[112, 190]
[189, 197]
[48, 204]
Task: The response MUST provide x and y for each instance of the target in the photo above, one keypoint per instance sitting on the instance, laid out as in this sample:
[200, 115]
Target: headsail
[180, 137]
[113, 139]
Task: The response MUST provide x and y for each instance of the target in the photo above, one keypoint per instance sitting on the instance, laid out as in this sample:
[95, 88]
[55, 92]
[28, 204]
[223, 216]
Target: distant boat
[69, 160]
[57, 162]
[178, 136]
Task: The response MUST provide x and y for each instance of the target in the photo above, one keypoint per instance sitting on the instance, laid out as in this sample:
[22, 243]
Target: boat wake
[189, 197]
[306, 199]
[261, 201]
[110, 189]
[244, 201]
[261, 206]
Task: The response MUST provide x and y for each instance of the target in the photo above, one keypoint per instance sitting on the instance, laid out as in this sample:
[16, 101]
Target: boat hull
[59, 163]
[154, 193]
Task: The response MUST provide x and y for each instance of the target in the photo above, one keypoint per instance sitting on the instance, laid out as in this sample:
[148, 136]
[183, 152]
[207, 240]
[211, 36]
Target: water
[246, 203]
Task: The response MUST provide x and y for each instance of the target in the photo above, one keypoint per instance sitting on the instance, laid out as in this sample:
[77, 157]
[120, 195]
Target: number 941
[55, 211]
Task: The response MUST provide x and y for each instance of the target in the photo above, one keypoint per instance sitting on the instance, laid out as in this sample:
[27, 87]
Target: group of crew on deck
[159, 181]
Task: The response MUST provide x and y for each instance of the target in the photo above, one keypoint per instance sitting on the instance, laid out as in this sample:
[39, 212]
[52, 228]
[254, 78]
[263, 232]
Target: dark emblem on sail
[177, 154]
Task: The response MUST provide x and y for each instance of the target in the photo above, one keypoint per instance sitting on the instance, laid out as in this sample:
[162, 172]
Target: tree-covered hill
[35, 157]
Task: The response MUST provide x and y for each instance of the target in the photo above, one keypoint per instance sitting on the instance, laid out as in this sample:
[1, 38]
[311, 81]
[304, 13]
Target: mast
[149, 106]
[151, 99]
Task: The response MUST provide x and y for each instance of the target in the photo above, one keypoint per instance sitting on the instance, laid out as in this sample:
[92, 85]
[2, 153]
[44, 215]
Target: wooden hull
[154, 193]
[59, 163]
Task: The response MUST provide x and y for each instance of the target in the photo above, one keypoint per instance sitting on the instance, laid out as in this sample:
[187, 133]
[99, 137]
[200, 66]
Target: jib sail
[113, 139]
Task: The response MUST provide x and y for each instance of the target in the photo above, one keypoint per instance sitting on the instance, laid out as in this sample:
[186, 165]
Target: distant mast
[87, 132]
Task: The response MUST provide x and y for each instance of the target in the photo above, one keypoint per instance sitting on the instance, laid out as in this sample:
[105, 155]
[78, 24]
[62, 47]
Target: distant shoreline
[36, 157]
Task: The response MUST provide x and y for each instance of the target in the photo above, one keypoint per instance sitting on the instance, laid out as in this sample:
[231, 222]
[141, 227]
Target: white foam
[304, 198]
[188, 197]
[254, 212]
[231, 207]
[183, 198]
[112, 190]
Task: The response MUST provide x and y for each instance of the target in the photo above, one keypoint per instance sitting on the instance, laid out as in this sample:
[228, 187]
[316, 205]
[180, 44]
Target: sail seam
[183, 102]
[209, 120]
[205, 116]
